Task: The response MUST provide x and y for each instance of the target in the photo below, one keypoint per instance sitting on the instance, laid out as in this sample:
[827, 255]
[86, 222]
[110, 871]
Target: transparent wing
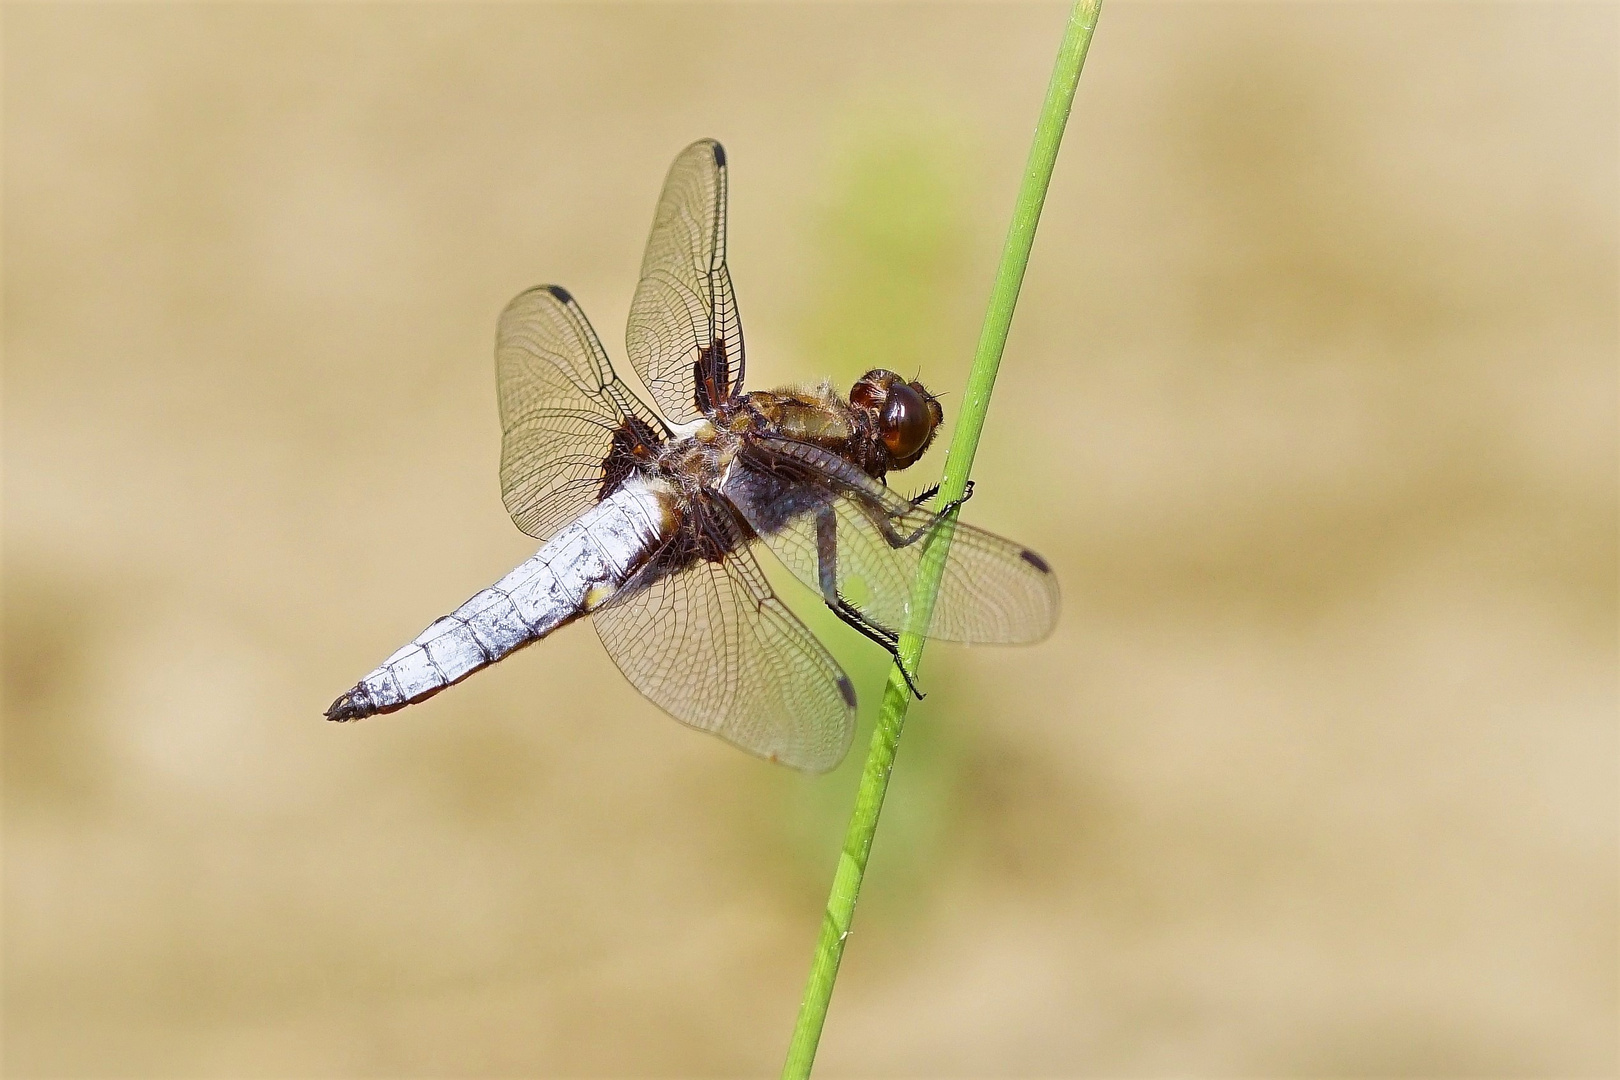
[832, 527]
[712, 645]
[684, 336]
[561, 410]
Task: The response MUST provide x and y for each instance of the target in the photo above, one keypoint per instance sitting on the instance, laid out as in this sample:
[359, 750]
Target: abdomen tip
[347, 708]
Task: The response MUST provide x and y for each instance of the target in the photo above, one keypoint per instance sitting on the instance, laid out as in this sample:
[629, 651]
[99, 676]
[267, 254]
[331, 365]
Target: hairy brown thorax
[884, 425]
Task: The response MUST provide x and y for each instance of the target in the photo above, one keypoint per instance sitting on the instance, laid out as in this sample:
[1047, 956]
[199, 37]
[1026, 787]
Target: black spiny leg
[925, 496]
[870, 630]
[827, 577]
[898, 539]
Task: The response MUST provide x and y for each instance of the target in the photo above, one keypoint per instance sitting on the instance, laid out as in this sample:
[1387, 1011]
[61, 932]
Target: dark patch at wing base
[711, 377]
[629, 451]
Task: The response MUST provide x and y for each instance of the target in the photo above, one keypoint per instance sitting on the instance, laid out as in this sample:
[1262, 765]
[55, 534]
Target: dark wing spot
[1035, 560]
[719, 155]
[560, 293]
[847, 688]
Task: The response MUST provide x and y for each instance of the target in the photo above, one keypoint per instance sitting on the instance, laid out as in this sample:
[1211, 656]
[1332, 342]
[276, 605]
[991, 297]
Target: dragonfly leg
[827, 579]
[898, 539]
[827, 554]
[875, 633]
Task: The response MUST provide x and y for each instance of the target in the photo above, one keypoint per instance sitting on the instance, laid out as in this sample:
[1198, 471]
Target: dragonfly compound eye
[907, 422]
[870, 389]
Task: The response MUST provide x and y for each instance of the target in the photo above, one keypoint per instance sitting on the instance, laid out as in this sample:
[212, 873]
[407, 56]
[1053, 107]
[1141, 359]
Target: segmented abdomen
[573, 572]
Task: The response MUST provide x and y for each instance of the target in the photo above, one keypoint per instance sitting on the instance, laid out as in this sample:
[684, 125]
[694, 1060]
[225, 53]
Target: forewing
[560, 407]
[713, 646]
[684, 336]
[993, 591]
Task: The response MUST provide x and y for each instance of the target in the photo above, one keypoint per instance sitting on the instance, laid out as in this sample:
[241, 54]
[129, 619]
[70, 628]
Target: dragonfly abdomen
[576, 571]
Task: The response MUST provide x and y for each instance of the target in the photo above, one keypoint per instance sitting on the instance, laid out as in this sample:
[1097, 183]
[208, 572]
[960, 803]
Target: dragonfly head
[902, 416]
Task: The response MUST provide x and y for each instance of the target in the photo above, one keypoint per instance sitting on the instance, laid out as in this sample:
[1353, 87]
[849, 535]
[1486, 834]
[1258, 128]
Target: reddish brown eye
[907, 422]
[868, 391]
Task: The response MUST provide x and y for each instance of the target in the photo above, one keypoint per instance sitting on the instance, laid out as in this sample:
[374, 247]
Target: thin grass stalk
[846, 888]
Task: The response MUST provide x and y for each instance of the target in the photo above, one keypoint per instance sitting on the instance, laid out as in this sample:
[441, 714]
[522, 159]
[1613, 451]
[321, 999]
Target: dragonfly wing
[684, 336]
[830, 523]
[564, 414]
[709, 643]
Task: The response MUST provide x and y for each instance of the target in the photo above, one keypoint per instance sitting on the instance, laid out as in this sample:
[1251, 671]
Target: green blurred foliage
[893, 242]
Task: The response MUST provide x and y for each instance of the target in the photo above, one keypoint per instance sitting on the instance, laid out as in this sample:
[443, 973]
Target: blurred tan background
[1311, 401]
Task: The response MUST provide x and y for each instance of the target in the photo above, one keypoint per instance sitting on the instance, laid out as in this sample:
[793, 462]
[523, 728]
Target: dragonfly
[651, 518]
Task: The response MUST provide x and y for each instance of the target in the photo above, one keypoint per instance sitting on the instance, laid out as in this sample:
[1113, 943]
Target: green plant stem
[846, 888]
